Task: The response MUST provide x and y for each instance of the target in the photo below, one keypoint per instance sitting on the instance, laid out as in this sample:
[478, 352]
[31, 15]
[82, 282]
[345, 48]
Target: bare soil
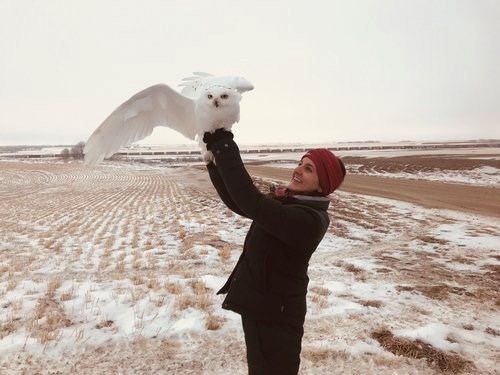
[481, 200]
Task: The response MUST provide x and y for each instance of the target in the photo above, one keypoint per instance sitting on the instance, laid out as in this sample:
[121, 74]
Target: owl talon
[208, 157]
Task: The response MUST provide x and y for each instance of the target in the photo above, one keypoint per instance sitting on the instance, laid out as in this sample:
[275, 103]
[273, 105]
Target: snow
[433, 333]
[108, 307]
[460, 233]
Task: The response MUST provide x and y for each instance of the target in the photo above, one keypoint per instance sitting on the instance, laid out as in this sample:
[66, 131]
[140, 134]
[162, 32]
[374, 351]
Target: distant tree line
[75, 152]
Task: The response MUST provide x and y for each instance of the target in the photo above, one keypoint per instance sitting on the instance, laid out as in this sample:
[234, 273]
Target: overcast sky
[323, 71]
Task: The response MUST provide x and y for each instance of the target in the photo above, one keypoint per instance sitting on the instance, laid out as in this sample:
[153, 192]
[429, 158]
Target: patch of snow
[433, 333]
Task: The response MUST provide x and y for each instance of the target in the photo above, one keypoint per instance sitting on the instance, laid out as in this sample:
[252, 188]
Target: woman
[268, 286]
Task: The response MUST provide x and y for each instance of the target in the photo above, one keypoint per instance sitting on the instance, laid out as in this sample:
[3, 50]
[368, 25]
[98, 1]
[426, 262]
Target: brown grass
[437, 292]
[214, 322]
[174, 288]
[200, 302]
[12, 322]
[11, 284]
[320, 301]
[371, 303]
[104, 324]
[169, 347]
[153, 283]
[433, 240]
[322, 291]
[137, 280]
[350, 267]
[492, 331]
[52, 286]
[320, 355]
[444, 362]
[48, 318]
[198, 286]
[225, 252]
[100, 231]
[159, 301]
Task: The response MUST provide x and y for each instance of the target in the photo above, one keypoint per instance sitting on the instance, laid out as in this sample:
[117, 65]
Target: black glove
[211, 138]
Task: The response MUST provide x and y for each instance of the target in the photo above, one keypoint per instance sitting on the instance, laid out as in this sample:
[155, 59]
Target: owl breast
[210, 117]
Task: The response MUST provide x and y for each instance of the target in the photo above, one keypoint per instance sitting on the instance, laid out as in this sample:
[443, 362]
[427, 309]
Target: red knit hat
[328, 168]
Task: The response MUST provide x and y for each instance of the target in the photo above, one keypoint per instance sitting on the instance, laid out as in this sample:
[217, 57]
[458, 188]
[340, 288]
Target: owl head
[217, 107]
[220, 97]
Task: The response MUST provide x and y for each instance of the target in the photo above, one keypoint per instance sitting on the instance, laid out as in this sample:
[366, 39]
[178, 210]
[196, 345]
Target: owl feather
[206, 103]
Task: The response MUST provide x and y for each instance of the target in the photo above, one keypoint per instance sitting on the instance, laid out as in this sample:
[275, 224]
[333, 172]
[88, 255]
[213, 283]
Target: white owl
[207, 103]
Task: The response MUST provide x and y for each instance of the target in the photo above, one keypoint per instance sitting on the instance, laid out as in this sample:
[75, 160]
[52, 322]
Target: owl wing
[194, 85]
[135, 119]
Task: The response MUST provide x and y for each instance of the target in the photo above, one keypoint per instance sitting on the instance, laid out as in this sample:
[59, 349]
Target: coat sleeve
[221, 189]
[298, 226]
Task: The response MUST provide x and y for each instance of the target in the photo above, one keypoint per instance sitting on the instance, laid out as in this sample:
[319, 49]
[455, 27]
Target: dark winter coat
[270, 280]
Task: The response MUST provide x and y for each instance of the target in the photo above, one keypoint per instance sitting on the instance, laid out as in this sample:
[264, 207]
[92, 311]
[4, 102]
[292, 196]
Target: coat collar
[318, 203]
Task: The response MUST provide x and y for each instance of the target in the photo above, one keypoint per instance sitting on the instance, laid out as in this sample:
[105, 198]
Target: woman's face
[305, 178]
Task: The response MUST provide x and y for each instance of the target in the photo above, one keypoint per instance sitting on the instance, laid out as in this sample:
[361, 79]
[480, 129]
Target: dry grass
[174, 288]
[134, 237]
[153, 283]
[468, 327]
[13, 320]
[437, 292]
[371, 303]
[350, 268]
[198, 287]
[320, 301]
[47, 321]
[105, 324]
[52, 287]
[322, 291]
[69, 294]
[201, 302]
[320, 297]
[225, 252]
[159, 301]
[136, 294]
[11, 284]
[138, 279]
[432, 240]
[492, 331]
[444, 362]
[214, 322]
[323, 355]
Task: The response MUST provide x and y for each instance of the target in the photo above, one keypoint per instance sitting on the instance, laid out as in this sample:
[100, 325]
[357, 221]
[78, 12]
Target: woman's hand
[211, 138]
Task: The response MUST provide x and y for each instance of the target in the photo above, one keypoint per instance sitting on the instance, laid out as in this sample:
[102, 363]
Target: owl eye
[224, 96]
[209, 96]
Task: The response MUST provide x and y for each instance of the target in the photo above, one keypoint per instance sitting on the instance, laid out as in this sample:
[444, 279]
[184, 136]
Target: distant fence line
[34, 155]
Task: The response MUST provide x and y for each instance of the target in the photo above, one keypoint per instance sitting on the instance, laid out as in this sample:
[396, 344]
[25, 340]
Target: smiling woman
[305, 177]
[319, 170]
[268, 286]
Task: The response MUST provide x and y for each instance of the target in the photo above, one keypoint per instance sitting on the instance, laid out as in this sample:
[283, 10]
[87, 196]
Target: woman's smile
[304, 178]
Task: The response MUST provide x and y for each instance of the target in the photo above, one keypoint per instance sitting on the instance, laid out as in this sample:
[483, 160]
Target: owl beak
[216, 103]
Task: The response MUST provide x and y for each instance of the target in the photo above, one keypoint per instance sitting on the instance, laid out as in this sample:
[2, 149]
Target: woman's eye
[209, 96]
[224, 96]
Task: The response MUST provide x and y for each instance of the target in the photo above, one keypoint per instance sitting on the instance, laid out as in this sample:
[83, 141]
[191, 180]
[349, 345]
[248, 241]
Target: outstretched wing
[192, 86]
[135, 119]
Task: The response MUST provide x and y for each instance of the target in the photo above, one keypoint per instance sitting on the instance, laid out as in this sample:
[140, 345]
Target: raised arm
[221, 189]
[276, 218]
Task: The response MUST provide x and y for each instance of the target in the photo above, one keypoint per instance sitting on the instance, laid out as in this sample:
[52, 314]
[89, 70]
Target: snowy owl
[206, 103]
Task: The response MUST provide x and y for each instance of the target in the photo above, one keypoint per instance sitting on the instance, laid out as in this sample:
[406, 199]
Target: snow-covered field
[114, 270]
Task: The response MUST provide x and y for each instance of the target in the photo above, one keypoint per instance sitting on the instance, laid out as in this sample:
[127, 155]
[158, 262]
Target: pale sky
[323, 71]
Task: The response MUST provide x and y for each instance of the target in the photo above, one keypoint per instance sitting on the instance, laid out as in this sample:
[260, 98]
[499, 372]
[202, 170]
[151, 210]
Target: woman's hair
[342, 166]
